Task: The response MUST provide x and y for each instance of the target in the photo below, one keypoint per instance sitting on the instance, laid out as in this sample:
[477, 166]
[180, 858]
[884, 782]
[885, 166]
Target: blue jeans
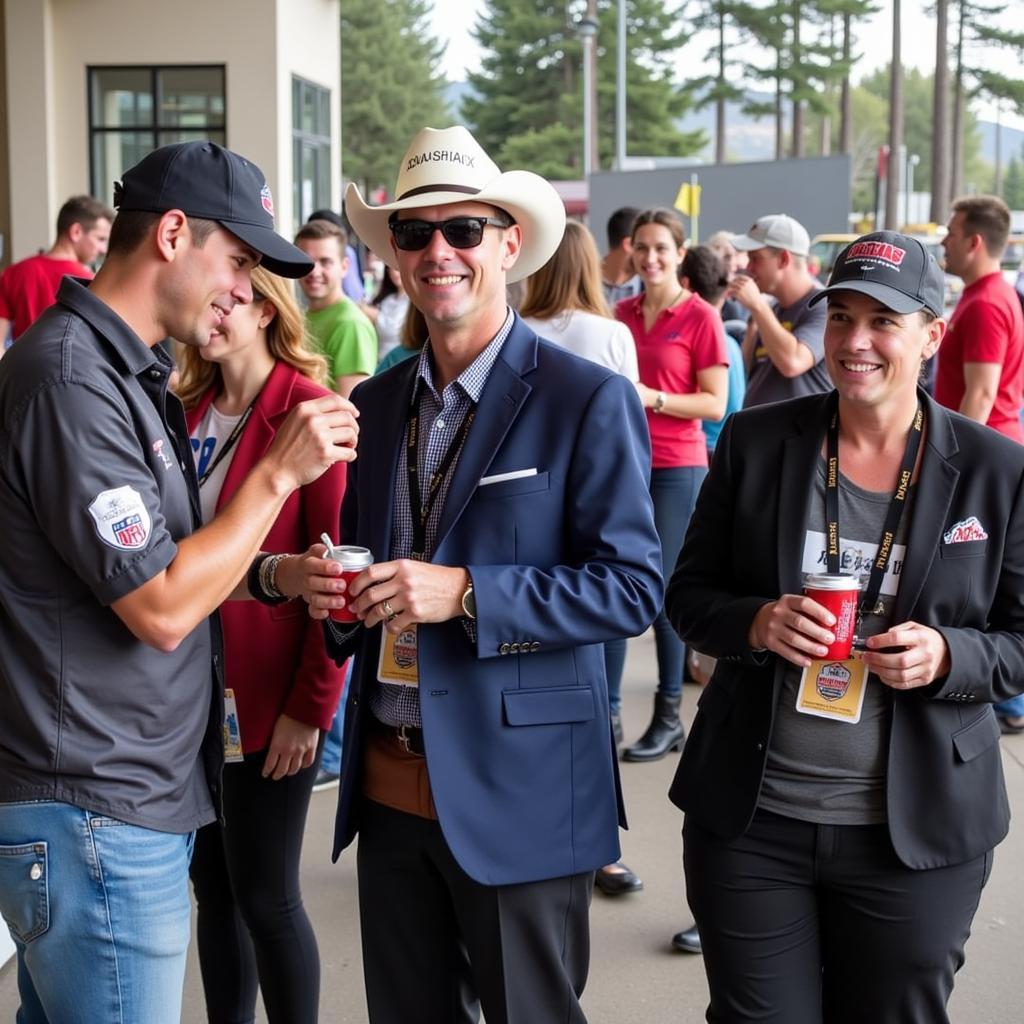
[99, 912]
[1012, 708]
[330, 759]
[674, 492]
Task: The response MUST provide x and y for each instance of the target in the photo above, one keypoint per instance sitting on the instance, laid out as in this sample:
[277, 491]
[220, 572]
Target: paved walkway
[635, 978]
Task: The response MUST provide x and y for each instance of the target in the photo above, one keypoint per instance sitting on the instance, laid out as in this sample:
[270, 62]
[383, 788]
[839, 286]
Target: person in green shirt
[340, 330]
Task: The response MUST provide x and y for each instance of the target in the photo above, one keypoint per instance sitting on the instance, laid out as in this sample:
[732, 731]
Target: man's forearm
[977, 404]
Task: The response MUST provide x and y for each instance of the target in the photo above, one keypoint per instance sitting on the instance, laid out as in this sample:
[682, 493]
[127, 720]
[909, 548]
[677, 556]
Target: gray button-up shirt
[96, 487]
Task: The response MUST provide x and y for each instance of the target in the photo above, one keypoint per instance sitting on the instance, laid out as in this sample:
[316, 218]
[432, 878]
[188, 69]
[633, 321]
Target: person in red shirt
[683, 365]
[30, 286]
[981, 362]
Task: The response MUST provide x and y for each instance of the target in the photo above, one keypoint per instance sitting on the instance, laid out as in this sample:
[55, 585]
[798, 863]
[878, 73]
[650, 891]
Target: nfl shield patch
[121, 518]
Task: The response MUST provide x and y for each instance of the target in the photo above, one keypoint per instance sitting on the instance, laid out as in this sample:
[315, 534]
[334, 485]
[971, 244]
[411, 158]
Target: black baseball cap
[895, 269]
[208, 181]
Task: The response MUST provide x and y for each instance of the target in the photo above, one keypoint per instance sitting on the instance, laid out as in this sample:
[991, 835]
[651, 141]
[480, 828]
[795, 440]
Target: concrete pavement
[635, 978]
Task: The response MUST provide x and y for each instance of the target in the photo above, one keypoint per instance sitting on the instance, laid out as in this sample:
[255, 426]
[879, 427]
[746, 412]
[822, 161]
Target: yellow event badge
[833, 689]
[398, 662]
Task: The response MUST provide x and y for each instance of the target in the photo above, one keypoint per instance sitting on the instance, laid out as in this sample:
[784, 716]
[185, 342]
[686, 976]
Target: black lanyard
[235, 434]
[897, 505]
[421, 509]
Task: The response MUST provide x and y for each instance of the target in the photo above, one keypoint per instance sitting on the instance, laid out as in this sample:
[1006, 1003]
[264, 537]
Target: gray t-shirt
[821, 770]
[765, 384]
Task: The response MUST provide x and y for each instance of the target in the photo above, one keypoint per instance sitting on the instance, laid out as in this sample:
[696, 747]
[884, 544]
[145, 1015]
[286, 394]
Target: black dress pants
[435, 941]
[823, 924]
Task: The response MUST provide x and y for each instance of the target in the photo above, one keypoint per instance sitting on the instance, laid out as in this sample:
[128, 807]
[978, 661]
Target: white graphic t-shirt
[207, 439]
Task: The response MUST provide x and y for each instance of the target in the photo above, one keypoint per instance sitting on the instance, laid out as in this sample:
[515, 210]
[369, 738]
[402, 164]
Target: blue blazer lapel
[501, 402]
[936, 484]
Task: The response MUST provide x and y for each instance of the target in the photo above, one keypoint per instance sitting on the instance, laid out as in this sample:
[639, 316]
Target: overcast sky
[454, 19]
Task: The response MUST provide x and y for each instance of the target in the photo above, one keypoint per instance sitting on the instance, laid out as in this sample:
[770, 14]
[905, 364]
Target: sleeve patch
[121, 518]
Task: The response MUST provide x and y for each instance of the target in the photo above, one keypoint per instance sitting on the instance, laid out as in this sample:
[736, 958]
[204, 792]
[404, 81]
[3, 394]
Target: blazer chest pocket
[548, 707]
[965, 549]
[976, 737]
[510, 488]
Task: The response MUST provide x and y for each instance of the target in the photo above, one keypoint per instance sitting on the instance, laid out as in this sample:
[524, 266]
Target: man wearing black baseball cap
[111, 699]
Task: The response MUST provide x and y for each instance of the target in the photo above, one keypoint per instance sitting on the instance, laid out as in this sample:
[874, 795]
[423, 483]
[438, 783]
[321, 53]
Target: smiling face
[459, 289]
[322, 285]
[240, 333]
[873, 354]
[656, 256]
[203, 284]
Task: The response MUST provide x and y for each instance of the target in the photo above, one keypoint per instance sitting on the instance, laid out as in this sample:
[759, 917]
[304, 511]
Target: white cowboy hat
[447, 165]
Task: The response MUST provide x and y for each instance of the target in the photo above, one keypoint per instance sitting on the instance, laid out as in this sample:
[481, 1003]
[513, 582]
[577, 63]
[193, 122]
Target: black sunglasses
[459, 232]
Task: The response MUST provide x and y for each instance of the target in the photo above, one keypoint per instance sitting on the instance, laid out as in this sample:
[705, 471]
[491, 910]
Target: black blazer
[946, 796]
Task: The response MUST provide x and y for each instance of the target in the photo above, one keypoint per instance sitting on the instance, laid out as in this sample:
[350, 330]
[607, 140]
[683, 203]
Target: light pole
[912, 161]
[620, 90]
[586, 29]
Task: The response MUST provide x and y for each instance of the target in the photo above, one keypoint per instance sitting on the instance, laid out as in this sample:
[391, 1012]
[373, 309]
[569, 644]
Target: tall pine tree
[528, 95]
[391, 85]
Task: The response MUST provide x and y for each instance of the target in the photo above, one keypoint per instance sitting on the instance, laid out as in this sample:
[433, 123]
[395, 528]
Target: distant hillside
[748, 138]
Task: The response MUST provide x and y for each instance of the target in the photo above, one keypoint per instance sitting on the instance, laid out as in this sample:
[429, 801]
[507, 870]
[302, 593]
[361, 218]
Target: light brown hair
[987, 216]
[571, 279]
[666, 218]
[317, 229]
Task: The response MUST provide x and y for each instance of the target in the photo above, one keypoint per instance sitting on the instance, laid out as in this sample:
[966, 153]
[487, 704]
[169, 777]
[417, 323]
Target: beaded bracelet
[260, 579]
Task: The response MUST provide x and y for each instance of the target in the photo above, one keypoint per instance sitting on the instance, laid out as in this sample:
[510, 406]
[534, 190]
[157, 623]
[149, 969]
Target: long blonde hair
[287, 341]
[571, 279]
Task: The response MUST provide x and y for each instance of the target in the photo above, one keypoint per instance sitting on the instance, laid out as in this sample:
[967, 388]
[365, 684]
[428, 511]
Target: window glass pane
[167, 138]
[309, 200]
[191, 97]
[308, 109]
[122, 98]
[298, 213]
[323, 180]
[323, 121]
[112, 154]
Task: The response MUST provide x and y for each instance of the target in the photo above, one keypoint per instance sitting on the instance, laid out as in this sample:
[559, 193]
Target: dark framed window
[136, 109]
[311, 148]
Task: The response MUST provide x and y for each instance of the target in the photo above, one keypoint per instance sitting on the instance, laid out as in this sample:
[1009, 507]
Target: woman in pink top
[683, 367]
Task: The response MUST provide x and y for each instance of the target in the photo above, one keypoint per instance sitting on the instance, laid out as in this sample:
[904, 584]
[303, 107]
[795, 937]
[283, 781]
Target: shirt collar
[132, 350]
[473, 377]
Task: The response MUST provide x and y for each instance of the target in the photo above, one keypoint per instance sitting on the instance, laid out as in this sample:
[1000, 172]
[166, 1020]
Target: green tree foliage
[1013, 184]
[528, 95]
[870, 101]
[391, 85]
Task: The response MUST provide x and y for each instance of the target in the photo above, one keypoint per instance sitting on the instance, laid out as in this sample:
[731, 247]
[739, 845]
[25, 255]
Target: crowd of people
[533, 454]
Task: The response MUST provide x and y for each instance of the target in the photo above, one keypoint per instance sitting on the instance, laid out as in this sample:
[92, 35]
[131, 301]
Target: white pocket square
[498, 478]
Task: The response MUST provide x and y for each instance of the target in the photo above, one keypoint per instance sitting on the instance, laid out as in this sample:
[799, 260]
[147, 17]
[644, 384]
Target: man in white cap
[503, 496]
[784, 345]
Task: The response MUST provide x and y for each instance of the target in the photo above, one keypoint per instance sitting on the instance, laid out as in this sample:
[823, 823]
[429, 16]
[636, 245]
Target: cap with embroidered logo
[895, 269]
[209, 182]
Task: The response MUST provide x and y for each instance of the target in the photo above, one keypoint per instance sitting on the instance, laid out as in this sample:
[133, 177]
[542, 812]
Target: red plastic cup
[353, 560]
[839, 593]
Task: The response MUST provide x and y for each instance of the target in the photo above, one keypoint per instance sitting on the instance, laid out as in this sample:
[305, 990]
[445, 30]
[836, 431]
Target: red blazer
[274, 658]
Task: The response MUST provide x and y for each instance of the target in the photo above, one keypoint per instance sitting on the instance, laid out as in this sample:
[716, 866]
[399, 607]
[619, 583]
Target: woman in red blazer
[252, 925]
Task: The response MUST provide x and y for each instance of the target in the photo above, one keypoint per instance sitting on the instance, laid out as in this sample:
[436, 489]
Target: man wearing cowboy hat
[503, 494]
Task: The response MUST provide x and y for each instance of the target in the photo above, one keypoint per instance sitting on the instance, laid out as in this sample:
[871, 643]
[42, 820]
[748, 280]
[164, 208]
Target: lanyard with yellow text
[421, 509]
[897, 506]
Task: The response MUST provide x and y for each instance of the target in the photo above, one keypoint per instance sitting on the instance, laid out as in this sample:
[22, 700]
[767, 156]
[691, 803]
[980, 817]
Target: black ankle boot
[665, 733]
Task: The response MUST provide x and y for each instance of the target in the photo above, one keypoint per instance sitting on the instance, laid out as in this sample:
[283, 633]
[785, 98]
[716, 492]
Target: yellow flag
[688, 200]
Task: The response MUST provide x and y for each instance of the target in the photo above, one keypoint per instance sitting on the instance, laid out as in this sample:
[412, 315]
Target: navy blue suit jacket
[518, 743]
[946, 797]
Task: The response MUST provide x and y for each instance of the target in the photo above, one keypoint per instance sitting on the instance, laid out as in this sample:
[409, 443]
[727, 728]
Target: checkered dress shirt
[440, 418]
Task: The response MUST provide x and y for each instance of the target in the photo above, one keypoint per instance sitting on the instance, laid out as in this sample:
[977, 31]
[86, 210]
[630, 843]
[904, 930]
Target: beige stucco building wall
[50, 44]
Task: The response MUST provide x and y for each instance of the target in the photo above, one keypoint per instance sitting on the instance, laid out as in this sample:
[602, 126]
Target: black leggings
[252, 926]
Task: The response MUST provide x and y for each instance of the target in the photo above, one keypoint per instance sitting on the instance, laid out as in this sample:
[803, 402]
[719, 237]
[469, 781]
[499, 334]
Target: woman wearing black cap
[841, 812]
